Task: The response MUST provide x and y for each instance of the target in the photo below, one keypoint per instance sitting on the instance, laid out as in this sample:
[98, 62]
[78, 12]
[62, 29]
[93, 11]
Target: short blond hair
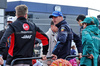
[21, 10]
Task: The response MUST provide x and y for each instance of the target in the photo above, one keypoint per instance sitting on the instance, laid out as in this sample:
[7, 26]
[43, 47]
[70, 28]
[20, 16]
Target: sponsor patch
[26, 37]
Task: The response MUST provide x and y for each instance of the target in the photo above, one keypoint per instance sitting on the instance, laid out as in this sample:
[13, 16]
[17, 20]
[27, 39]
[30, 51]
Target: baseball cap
[87, 20]
[56, 14]
[11, 18]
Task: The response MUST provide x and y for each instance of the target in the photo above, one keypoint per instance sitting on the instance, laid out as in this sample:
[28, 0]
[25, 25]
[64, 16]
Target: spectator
[10, 19]
[65, 37]
[23, 35]
[90, 42]
[52, 35]
[74, 61]
[80, 18]
[73, 52]
[37, 48]
[36, 53]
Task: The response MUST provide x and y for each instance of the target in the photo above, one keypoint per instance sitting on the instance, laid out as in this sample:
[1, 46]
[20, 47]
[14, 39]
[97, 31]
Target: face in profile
[56, 20]
[80, 23]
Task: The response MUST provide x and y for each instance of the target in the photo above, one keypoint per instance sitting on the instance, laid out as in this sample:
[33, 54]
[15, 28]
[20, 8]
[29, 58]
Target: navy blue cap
[56, 14]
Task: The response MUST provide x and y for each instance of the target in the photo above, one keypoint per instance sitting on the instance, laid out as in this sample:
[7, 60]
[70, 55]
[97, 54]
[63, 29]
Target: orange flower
[61, 62]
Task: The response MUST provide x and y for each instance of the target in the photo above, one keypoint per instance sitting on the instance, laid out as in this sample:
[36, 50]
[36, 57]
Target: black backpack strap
[92, 62]
[99, 60]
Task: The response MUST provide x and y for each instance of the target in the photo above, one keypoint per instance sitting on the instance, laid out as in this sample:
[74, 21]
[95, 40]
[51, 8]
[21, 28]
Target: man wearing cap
[9, 20]
[90, 41]
[65, 37]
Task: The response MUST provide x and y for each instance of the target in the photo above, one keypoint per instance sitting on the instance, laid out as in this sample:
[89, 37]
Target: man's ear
[26, 16]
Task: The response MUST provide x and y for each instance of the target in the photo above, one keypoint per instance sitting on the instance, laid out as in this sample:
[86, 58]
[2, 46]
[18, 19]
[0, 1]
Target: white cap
[11, 18]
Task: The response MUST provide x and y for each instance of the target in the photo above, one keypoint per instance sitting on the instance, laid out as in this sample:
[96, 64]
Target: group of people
[56, 42]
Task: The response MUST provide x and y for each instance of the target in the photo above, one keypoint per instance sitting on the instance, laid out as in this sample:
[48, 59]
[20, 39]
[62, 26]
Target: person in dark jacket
[73, 51]
[10, 19]
[65, 37]
[23, 35]
[79, 19]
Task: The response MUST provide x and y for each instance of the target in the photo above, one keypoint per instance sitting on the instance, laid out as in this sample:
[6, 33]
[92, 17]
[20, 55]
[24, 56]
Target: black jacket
[5, 53]
[23, 35]
[1, 33]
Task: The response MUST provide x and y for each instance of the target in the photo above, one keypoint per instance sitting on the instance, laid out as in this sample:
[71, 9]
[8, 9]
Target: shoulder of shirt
[49, 32]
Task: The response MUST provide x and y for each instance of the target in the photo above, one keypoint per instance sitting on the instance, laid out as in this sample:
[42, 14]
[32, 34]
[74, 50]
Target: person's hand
[80, 55]
[1, 60]
[44, 57]
[91, 56]
[54, 57]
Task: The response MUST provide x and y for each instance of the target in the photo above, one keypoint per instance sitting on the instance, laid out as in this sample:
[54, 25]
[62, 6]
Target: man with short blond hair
[23, 35]
[21, 10]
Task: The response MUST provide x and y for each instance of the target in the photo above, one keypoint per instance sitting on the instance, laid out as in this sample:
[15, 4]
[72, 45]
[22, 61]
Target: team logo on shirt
[25, 26]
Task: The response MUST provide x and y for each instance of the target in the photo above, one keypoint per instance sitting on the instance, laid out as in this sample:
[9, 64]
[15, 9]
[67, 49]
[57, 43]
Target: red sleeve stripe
[43, 38]
[10, 51]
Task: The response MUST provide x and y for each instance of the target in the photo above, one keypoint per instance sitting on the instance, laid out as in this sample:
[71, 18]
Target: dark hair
[52, 23]
[92, 23]
[81, 17]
